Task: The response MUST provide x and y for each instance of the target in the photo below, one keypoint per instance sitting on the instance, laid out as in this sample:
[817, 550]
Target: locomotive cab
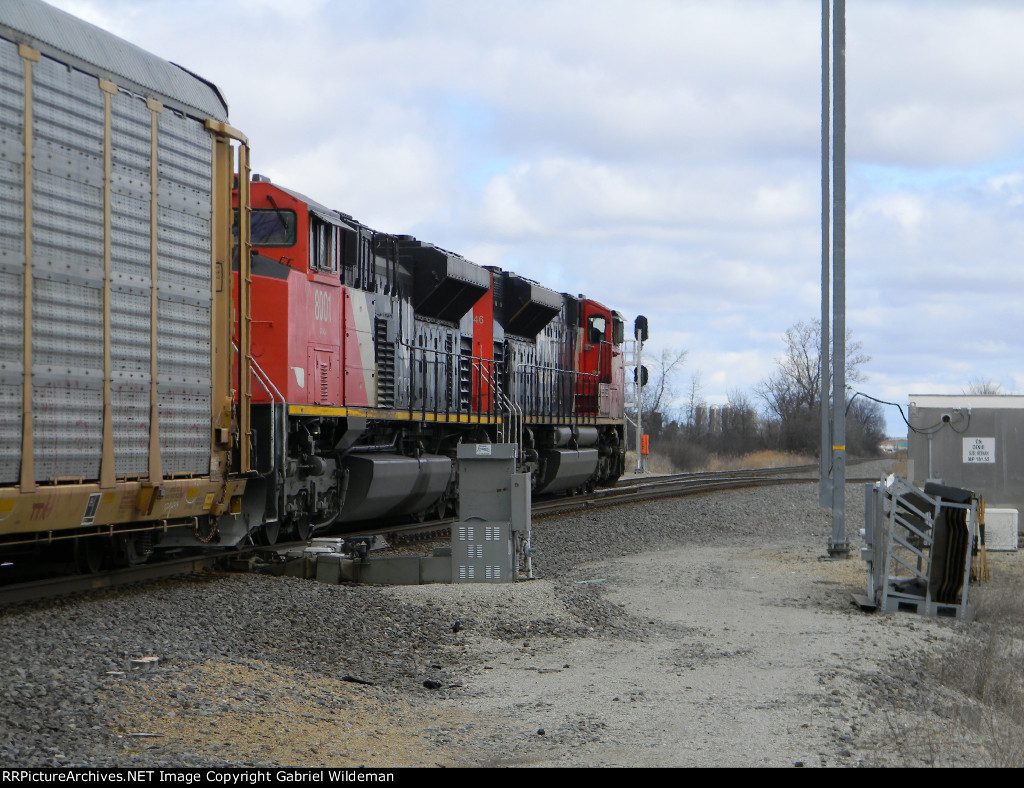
[599, 390]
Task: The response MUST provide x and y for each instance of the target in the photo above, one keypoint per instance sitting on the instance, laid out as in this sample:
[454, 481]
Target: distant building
[893, 445]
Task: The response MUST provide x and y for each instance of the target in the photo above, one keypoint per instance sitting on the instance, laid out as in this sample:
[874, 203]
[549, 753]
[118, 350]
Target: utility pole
[832, 469]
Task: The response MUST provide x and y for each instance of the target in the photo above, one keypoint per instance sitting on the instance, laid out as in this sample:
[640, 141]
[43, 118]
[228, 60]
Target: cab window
[596, 326]
[272, 227]
[323, 246]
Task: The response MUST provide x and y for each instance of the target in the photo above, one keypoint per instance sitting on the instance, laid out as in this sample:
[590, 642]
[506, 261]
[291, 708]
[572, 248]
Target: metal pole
[838, 546]
[825, 453]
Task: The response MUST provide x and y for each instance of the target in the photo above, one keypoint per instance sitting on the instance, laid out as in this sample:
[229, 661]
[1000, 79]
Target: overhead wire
[919, 430]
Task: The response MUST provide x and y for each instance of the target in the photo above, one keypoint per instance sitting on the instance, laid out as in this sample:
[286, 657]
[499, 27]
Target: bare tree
[740, 433]
[865, 427]
[694, 399]
[660, 390]
[796, 384]
[792, 394]
[983, 386]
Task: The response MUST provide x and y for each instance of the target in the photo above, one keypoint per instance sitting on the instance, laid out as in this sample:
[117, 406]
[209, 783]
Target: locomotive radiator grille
[324, 369]
[466, 374]
[385, 353]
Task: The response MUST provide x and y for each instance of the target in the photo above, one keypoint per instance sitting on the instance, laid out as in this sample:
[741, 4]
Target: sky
[659, 156]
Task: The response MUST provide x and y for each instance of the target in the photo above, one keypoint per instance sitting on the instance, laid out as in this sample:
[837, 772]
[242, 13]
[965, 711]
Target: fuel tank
[389, 485]
[566, 468]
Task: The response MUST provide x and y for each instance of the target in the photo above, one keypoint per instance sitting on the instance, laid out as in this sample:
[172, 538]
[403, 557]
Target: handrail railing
[277, 413]
[514, 429]
[555, 393]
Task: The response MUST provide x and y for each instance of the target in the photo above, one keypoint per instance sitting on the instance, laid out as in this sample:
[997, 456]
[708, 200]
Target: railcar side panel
[115, 242]
[12, 258]
[67, 272]
[131, 291]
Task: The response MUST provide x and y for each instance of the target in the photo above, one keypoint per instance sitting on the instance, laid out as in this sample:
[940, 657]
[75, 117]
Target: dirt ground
[730, 655]
[757, 660]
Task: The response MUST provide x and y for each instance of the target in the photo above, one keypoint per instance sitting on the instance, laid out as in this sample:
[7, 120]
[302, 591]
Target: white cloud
[663, 160]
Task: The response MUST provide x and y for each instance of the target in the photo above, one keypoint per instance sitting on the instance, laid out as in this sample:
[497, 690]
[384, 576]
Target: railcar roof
[70, 40]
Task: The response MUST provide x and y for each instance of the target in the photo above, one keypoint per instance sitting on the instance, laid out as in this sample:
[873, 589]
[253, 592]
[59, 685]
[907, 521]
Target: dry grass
[662, 464]
[985, 667]
[759, 459]
[656, 463]
[268, 714]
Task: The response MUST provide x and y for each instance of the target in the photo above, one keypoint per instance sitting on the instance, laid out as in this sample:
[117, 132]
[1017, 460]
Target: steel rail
[627, 491]
[72, 585]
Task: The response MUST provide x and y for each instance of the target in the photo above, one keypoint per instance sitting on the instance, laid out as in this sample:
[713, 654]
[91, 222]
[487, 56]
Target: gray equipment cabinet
[491, 540]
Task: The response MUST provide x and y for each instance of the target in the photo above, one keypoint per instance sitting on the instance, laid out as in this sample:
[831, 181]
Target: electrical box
[491, 540]
[1001, 529]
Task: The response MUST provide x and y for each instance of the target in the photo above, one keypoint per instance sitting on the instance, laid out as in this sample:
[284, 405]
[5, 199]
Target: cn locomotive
[167, 381]
[375, 355]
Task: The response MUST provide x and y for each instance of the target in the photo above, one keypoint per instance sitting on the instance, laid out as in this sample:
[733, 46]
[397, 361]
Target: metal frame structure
[925, 534]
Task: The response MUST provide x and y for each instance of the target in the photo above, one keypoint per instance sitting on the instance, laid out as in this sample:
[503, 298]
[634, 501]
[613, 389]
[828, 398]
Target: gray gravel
[69, 695]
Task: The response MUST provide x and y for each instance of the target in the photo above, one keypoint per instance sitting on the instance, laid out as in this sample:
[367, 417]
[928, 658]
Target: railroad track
[628, 490]
[679, 484]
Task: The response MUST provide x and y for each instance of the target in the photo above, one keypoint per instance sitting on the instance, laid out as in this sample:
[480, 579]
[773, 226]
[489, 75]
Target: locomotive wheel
[136, 549]
[440, 508]
[302, 529]
[88, 554]
[267, 534]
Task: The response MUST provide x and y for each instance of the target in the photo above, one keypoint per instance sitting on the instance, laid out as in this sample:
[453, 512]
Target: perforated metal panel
[482, 553]
[130, 404]
[68, 418]
[12, 259]
[67, 270]
[184, 292]
[184, 429]
[131, 283]
[93, 49]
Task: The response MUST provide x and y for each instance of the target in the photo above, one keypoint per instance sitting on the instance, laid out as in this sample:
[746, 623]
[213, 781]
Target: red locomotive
[375, 355]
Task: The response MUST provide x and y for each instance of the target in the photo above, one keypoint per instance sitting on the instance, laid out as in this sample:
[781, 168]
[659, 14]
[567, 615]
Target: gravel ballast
[698, 631]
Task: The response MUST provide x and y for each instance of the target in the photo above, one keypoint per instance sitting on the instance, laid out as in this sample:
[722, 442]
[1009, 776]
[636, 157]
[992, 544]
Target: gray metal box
[491, 541]
[436, 568]
[1001, 529]
[485, 475]
[969, 441]
[482, 552]
[521, 503]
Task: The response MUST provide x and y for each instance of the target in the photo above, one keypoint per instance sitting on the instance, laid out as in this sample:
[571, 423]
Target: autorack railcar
[117, 421]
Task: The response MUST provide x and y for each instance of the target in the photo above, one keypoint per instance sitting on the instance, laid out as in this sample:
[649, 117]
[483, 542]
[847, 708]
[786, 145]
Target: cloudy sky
[660, 156]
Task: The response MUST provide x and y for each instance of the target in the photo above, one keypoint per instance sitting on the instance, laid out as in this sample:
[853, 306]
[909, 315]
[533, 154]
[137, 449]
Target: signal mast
[639, 381]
